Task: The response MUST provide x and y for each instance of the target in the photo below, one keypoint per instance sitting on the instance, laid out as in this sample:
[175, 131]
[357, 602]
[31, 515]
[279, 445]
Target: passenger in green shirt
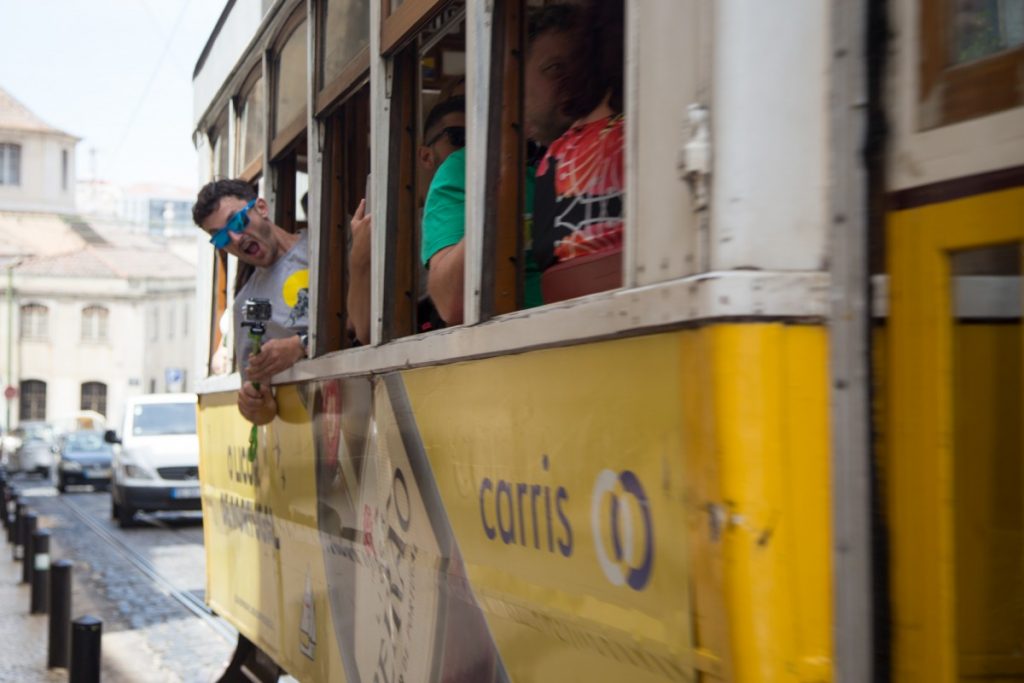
[444, 224]
[444, 216]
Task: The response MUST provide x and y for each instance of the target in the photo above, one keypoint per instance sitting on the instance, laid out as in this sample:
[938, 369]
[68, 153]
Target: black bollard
[29, 522]
[40, 599]
[5, 498]
[18, 541]
[8, 511]
[86, 634]
[60, 614]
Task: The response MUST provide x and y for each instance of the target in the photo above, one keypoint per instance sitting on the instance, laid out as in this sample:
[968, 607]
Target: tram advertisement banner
[513, 518]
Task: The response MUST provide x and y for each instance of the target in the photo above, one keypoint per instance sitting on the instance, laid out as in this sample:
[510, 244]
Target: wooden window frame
[503, 273]
[351, 79]
[290, 131]
[401, 259]
[405, 21]
[951, 93]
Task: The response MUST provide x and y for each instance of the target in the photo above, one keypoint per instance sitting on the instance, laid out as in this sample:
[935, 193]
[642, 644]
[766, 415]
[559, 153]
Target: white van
[156, 466]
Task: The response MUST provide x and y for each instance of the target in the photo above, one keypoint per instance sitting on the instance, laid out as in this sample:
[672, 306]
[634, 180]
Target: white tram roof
[235, 30]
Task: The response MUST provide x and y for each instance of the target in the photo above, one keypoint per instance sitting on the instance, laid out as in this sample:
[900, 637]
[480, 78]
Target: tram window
[972, 55]
[219, 146]
[432, 71]
[290, 83]
[249, 149]
[291, 182]
[345, 177]
[346, 33]
[578, 210]
[988, 526]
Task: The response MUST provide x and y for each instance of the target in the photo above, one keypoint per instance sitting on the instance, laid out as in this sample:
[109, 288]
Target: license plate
[185, 493]
[103, 473]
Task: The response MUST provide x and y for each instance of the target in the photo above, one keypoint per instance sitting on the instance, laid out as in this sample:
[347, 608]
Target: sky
[116, 73]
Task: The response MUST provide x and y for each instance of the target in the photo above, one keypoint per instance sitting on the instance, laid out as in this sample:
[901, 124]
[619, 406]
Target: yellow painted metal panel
[987, 494]
[604, 499]
[921, 469]
[771, 409]
[529, 452]
[262, 546]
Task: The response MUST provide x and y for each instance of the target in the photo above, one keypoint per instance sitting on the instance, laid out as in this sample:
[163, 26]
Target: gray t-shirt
[286, 285]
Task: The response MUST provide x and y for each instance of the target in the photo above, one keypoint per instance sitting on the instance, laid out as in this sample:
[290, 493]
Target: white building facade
[90, 313]
[37, 161]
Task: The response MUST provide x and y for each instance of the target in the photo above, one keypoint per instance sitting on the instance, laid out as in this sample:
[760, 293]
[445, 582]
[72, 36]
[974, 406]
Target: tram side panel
[640, 509]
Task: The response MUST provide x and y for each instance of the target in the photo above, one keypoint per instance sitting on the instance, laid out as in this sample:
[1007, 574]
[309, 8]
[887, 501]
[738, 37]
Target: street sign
[10, 392]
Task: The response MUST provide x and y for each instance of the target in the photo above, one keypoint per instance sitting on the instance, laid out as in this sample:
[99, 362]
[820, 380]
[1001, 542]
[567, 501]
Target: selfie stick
[256, 332]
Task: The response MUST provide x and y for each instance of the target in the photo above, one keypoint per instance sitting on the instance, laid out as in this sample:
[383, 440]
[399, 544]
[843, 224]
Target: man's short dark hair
[455, 105]
[553, 18]
[212, 192]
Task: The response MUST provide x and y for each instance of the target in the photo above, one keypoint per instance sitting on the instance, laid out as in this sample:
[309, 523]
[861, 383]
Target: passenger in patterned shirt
[581, 180]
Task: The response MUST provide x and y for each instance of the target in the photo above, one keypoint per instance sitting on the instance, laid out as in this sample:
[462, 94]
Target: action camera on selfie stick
[254, 316]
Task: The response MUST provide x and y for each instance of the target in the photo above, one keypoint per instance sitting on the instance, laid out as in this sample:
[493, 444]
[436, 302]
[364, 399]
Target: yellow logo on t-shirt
[296, 282]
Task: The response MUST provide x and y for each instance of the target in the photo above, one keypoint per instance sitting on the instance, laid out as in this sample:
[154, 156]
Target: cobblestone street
[145, 583]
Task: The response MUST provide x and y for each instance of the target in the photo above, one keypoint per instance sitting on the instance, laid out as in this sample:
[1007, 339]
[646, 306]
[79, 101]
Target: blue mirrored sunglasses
[238, 222]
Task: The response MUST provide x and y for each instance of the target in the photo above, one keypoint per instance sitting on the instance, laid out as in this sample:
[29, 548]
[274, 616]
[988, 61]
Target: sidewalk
[24, 638]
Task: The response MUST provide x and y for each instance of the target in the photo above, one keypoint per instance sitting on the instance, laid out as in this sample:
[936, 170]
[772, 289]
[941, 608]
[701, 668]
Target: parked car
[85, 458]
[35, 454]
[156, 465]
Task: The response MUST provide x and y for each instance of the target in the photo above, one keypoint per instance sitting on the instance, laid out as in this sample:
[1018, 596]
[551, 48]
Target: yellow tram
[787, 447]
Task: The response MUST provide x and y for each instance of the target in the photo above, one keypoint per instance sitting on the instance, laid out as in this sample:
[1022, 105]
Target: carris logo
[618, 509]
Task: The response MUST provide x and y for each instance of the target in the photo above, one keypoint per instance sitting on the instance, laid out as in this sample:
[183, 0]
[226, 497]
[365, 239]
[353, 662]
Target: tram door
[953, 476]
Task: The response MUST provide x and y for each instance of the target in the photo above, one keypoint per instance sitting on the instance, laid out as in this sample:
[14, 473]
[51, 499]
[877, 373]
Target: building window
[94, 397]
[94, 324]
[33, 400]
[184, 320]
[64, 170]
[154, 324]
[170, 321]
[34, 321]
[10, 164]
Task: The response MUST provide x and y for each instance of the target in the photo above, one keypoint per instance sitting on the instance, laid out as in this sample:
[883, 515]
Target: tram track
[187, 599]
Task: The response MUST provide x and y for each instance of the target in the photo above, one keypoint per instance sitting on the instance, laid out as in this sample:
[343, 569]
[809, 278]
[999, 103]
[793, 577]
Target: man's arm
[445, 281]
[358, 300]
[443, 244]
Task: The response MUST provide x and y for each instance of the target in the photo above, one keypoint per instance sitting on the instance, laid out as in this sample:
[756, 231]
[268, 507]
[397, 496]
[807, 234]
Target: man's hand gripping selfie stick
[257, 312]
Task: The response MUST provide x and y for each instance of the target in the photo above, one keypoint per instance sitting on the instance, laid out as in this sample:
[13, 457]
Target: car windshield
[164, 418]
[90, 442]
